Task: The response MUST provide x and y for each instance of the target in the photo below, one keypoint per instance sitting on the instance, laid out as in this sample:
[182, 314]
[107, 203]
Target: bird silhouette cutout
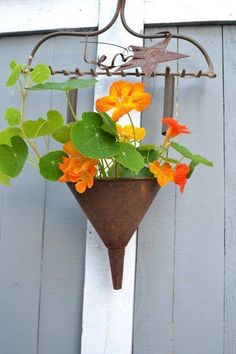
[148, 58]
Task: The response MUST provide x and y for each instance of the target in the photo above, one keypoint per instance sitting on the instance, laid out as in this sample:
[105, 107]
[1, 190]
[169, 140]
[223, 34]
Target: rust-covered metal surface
[115, 208]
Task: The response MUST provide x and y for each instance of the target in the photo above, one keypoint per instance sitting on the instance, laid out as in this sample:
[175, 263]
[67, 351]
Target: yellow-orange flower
[174, 127]
[123, 98]
[77, 168]
[180, 175]
[86, 174]
[126, 133]
[163, 173]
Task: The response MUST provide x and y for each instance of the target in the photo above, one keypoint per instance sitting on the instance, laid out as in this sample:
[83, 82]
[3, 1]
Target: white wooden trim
[108, 313]
[185, 11]
[28, 15]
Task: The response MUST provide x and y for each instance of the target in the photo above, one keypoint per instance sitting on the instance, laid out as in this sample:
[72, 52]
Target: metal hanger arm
[74, 33]
[162, 35]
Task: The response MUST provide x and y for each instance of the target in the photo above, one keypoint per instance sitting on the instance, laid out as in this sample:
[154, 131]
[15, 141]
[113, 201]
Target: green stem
[32, 163]
[102, 168]
[46, 143]
[33, 146]
[71, 108]
[107, 164]
[133, 129]
[181, 159]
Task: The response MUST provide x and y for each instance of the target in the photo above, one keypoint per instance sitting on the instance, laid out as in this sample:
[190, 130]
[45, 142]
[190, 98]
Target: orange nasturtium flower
[123, 98]
[71, 150]
[126, 133]
[180, 175]
[77, 168]
[163, 173]
[174, 128]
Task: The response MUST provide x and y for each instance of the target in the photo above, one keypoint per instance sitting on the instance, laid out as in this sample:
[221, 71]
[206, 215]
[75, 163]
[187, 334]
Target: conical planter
[115, 208]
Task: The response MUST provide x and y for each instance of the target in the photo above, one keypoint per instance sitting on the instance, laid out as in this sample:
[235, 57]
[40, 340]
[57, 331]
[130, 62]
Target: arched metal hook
[74, 33]
[120, 9]
[160, 35]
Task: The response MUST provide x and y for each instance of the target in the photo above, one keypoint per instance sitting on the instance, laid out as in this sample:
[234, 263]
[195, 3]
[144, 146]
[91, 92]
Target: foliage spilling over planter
[95, 146]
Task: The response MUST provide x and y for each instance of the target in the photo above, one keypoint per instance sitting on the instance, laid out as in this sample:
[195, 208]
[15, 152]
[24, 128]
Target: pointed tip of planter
[115, 208]
[116, 258]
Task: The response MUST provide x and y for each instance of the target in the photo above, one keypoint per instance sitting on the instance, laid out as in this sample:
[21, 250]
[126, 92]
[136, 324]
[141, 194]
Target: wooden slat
[108, 314]
[199, 252]
[21, 230]
[64, 234]
[230, 188]
[198, 11]
[36, 15]
[155, 255]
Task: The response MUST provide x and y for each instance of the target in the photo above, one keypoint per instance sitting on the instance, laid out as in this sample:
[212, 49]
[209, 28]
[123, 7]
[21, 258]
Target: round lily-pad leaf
[12, 116]
[48, 165]
[40, 73]
[89, 138]
[13, 158]
[129, 157]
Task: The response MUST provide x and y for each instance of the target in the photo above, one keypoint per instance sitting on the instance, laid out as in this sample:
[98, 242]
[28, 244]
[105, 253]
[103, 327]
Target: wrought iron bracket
[111, 69]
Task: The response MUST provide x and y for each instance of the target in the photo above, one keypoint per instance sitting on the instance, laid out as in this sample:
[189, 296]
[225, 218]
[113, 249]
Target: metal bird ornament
[148, 58]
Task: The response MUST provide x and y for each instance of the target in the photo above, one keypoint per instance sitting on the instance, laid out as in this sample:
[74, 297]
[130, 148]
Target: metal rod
[72, 95]
[168, 99]
[120, 9]
[163, 35]
[122, 73]
[79, 34]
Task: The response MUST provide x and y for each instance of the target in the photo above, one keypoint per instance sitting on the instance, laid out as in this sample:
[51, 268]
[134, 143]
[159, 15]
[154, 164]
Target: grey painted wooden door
[185, 278]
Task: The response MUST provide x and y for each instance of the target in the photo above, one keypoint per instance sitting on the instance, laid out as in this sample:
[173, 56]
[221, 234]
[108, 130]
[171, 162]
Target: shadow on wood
[115, 208]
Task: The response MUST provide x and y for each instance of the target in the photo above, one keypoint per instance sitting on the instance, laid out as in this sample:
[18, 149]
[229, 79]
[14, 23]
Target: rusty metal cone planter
[115, 208]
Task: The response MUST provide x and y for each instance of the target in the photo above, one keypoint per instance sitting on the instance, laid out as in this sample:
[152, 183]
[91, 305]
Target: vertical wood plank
[21, 229]
[64, 232]
[155, 254]
[199, 254]
[229, 42]
[108, 314]
[47, 15]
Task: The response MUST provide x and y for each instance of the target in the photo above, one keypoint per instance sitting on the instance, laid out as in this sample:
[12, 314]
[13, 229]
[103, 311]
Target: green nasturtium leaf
[149, 152]
[197, 159]
[71, 84]
[129, 157]
[13, 158]
[62, 135]
[182, 150]
[123, 172]
[147, 147]
[202, 160]
[108, 125]
[41, 126]
[12, 116]
[14, 75]
[8, 133]
[48, 165]
[91, 140]
[31, 127]
[40, 73]
[92, 120]
[191, 168]
[4, 179]
[13, 63]
[54, 121]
